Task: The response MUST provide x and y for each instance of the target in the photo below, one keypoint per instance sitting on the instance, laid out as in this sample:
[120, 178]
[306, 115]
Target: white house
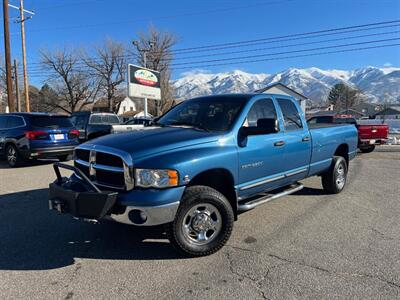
[126, 105]
[280, 88]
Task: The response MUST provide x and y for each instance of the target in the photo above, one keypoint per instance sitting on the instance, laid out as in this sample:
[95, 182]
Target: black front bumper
[81, 198]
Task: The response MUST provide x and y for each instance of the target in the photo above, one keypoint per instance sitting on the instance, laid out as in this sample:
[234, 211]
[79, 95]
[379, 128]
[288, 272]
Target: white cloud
[388, 64]
[195, 72]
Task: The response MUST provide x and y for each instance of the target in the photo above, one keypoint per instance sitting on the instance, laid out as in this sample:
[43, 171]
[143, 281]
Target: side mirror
[264, 126]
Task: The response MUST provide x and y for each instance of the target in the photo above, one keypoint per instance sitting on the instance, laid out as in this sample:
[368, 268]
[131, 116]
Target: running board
[264, 199]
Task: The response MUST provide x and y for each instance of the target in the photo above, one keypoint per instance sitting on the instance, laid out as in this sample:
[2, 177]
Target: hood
[151, 140]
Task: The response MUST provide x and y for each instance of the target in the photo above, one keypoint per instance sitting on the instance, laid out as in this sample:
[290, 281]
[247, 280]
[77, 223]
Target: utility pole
[26, 82]
[10, 96]
[16, 86]
[144, 51]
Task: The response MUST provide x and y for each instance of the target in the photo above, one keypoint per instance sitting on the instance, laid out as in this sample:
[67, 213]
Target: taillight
[73, 134]
[36, 135]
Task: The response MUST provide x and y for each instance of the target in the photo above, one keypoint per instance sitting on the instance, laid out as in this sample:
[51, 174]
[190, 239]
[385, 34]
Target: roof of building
[389, 111]
[282, 85]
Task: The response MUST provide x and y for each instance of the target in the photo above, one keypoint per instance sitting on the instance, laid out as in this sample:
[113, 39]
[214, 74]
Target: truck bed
[325, 139]
[325, 125]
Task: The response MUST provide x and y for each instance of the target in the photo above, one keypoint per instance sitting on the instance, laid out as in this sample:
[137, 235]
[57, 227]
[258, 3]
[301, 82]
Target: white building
[126, 105]
[281, 89]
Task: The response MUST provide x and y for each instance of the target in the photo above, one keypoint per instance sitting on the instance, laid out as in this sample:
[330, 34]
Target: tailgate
[366, 132]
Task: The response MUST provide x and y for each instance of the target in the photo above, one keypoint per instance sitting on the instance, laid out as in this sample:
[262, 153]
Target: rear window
[104, 119]
[291, 116]
[53, 122]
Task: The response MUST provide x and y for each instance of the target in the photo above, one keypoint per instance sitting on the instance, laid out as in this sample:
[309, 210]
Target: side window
[262, 109]
[312, 121]
[3, 121]
[16, 122]
[291, 116]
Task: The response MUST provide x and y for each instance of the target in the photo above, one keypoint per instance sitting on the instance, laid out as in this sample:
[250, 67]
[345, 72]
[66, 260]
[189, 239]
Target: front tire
[367, 149]
[334, 180]
[203, 223]
[14, 159]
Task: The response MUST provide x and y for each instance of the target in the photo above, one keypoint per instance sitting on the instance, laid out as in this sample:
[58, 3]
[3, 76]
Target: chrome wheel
[340, 176]
[11, 155]
[202, 224]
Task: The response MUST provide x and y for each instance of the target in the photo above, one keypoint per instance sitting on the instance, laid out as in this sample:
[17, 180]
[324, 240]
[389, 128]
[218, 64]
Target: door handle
[305, 139]
[279, 144]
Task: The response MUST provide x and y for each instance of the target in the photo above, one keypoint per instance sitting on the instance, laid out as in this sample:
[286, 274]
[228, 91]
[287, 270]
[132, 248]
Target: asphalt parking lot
[307, 245]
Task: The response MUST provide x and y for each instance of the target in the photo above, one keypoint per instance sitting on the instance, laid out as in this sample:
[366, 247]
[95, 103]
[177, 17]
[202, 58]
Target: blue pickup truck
[199, 165]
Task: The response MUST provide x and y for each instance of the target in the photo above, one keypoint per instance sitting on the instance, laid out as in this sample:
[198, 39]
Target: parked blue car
[27, 136]
[202, 163]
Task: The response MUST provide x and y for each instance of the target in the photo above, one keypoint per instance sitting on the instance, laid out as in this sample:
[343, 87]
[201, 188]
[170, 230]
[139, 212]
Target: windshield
[50, 122]
[104, 119]
[210, 113]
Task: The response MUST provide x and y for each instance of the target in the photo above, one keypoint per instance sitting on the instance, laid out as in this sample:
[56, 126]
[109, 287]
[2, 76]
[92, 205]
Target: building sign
[143, 83]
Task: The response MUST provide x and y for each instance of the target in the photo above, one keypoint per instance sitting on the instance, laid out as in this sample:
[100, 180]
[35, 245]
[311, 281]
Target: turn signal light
[173, 177]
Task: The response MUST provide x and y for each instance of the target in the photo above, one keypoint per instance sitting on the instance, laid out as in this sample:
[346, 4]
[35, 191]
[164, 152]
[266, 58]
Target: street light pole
[26, 82]
[22, 20]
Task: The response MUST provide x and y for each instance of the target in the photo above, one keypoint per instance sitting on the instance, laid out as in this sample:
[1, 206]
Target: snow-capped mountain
[378, 84]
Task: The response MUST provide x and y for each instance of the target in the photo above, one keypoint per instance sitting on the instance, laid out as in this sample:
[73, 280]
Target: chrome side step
[264, 199]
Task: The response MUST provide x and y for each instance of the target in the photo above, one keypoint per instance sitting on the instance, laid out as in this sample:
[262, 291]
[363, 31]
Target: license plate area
[58, 136]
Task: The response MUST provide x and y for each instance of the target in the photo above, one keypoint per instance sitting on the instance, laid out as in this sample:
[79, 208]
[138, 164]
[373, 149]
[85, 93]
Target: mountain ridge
[378, 84]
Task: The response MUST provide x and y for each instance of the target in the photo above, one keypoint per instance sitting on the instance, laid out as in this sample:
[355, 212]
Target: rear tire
[334, 180]
[203, 223]
[13, 157]
[368, 149]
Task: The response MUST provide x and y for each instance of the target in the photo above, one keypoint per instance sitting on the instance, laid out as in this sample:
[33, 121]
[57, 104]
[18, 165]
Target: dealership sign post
[143, 83]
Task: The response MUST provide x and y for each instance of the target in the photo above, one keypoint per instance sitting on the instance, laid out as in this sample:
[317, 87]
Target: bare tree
[109, 68]
[159, 58]
[3, 86]
[72, 82]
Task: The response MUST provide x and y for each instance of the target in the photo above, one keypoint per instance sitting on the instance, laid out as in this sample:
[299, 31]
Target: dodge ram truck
[201, 164]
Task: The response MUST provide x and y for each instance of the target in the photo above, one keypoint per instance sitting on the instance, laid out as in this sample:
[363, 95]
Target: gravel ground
[307, 245]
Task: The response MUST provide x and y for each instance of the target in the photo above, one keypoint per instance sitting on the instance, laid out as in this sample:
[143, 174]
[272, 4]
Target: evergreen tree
[344, 97]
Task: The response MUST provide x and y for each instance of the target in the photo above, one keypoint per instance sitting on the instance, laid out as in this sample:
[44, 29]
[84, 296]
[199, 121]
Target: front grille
[109, 160]
[104, 169]
[82, 154]
[110, 178]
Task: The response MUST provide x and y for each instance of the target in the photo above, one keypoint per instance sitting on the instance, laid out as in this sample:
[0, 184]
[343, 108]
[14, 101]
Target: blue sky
[75, 23]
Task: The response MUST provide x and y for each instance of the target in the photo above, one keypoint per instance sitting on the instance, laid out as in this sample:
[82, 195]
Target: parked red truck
[369, 135]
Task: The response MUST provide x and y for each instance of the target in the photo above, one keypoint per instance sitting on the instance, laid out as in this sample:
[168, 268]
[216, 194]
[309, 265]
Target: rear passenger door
[297, 140]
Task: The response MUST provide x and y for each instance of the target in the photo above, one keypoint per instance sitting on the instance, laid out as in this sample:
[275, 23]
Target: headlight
[157, 178]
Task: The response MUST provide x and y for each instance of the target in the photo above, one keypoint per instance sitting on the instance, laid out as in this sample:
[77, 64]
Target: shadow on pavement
[34, 238]
[30, 163]
[309, 191]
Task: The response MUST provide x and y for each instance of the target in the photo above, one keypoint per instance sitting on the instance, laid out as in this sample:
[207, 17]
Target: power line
[285, 57]
[291, 35]
[279, 39]
[160, 18]
[293, 56]
[287, 52]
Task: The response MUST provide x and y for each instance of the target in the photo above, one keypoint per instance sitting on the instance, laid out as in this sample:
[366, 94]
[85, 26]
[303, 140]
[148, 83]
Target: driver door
[261, 157]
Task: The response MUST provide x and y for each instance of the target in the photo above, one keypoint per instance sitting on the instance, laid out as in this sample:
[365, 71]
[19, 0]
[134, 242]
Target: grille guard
[84, 200]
